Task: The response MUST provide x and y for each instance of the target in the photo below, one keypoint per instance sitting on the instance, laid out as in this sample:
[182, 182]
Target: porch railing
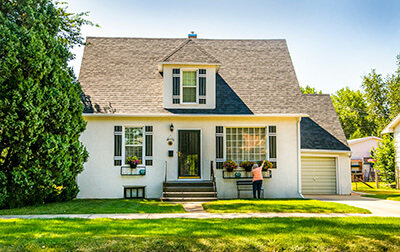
[166, 171]
[212, 174]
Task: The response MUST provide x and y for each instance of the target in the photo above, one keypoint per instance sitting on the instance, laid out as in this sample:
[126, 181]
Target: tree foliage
[309, 90]
[384, 155]
[40, 110]
[352, 111]
[382, 96]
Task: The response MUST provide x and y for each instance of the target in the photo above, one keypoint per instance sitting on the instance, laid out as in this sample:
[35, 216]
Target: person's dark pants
[257, 185]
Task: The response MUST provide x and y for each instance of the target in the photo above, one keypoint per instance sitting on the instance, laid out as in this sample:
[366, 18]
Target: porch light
[171, 127]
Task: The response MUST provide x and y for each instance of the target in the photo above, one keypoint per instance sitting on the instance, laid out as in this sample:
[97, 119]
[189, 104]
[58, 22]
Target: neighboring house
[360, 165]
[184, 106]
[394, 127]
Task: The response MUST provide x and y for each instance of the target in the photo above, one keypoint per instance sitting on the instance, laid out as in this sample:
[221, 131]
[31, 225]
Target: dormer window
[189, 86]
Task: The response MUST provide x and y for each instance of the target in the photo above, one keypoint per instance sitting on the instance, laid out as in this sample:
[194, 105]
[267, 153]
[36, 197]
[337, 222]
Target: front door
[189, 153]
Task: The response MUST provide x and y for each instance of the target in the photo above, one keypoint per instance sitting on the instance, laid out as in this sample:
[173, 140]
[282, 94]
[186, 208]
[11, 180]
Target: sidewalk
[190, 215]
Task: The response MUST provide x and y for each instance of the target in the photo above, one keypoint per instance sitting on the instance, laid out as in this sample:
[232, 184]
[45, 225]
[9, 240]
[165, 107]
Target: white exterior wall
[101, 179]
[397, 149]
[210, 87]
[343, 172]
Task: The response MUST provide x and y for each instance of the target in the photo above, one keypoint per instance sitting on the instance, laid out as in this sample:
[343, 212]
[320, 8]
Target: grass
[274, 234]
[383, 192]
[98, 206]
[281, 206]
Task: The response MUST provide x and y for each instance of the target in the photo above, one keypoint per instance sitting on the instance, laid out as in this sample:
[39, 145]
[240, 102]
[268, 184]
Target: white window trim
[124, 145]
[197, 85]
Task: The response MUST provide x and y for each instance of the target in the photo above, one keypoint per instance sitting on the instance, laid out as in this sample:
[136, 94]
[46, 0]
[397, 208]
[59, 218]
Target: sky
[333, 44]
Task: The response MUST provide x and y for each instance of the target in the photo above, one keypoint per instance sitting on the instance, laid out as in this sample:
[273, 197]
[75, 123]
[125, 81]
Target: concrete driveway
[378, 207]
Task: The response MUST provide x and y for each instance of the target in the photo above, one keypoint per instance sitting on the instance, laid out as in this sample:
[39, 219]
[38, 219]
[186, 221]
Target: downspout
[298, 158]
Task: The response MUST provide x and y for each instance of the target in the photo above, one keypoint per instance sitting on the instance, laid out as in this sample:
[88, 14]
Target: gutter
[88, 115]
[298, 158]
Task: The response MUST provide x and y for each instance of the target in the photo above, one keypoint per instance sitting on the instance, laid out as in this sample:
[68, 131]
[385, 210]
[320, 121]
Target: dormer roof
[189, 53]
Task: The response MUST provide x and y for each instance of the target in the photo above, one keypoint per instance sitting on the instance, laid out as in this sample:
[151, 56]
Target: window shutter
[202, 86]
[176, 86]
[149, 145]
[219, 146]
[272, 151]
[117, 145]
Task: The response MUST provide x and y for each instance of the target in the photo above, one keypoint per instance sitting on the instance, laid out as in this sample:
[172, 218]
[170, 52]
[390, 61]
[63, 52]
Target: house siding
[101, 179]
[397, 154]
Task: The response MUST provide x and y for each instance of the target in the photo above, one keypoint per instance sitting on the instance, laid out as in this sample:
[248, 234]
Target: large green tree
[352, 111]
[382, 96]
[40, 110]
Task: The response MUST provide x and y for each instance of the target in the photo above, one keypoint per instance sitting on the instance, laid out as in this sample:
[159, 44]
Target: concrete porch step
[189, 194]
[188, 189]
[204, 183]
[180, 199]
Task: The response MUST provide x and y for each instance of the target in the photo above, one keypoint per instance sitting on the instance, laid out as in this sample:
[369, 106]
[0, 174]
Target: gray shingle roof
[121, 74]
[322, 130]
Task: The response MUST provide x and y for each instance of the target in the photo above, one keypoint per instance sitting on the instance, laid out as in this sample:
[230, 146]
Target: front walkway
[378, 207]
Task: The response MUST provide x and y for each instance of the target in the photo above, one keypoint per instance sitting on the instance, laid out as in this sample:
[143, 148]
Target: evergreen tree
[40, 110]
[385, 159]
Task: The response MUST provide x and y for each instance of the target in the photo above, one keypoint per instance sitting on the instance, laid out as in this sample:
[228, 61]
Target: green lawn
[99, 206]
[382, 192]
[271, 234]
[279, 205]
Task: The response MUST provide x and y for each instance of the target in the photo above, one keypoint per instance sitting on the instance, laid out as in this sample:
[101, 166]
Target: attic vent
[192, 35]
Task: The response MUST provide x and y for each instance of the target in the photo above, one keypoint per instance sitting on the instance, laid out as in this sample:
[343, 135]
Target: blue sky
[332, 43]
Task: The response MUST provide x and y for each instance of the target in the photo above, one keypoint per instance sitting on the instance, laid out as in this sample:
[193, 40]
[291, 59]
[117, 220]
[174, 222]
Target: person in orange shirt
[257, 179]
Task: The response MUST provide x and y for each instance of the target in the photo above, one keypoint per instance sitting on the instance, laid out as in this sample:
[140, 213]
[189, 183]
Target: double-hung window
[189, 86]
[134, 142]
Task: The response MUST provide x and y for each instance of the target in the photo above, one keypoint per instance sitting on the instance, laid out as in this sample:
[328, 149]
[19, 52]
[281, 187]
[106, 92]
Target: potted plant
[132, 161]
[267, 165]
[230, 165]
[247, 165]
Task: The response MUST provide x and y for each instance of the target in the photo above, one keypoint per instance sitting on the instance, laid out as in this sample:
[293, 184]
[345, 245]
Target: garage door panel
[318, 175]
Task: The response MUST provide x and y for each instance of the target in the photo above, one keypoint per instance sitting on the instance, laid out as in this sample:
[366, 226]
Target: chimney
[192, 35]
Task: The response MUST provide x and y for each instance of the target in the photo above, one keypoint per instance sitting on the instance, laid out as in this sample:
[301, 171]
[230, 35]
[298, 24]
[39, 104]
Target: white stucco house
[394, 127]
[361, 153]
[184, 106]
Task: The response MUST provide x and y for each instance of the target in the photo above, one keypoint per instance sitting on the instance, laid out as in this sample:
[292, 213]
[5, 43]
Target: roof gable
[188, 52]
[323, 129]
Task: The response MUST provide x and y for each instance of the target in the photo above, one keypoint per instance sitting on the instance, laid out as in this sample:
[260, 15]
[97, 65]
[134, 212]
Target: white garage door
[318, 175]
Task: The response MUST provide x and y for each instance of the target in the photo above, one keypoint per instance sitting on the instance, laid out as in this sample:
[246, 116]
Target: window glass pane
[133, 136]
[245, 144]
[131, 151]
[189, 94]
[128, 193]
[189, 78]
[140, 193]
[134, 193]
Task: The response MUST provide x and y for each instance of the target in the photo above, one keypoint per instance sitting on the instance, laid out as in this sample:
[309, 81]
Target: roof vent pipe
[192, 35]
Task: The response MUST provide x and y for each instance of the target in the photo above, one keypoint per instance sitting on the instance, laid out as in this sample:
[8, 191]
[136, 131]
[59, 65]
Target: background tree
[384, 155]
[382, 96]
[352, 111]
[309, 90]
[40, 110]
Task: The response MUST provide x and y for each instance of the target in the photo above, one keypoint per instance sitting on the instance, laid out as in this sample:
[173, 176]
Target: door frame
[200, 159]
